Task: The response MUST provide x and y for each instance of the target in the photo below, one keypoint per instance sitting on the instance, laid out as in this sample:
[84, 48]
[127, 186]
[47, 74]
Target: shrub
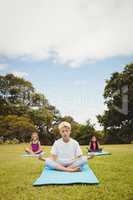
[11, 141]
[14, 127]
[1, 140]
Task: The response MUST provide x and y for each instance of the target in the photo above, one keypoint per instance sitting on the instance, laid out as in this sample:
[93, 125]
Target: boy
[66, 154]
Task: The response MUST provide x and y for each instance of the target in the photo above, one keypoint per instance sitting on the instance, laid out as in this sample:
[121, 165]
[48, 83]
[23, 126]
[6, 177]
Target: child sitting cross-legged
[94, 145]
[66, 154]
[35, 146]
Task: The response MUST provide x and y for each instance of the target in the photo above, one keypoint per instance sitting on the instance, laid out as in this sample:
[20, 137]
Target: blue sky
[74, 91]
[67, 48]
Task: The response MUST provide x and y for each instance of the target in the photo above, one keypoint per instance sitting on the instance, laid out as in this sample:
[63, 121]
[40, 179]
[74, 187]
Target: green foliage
[12, 126]
[86, 132]
[1, 140]
[17, 96]
[13, 141]
[23, 111]
[118, 126]
[45, 120]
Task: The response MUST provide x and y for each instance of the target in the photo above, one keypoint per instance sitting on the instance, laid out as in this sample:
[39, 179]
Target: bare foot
[73, 169]
[91, 155]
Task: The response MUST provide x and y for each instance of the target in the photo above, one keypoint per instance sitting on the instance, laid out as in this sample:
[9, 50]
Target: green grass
[115, 173]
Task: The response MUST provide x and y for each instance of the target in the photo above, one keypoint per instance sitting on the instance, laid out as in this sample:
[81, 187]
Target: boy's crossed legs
[72, 167]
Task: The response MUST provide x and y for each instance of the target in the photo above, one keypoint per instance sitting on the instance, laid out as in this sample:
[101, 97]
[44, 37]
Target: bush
[7, 142]
[14, 127]
[12, 141]
[15, 141]
[1, 140]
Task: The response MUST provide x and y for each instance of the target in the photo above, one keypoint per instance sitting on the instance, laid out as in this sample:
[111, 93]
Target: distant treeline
[23, 110]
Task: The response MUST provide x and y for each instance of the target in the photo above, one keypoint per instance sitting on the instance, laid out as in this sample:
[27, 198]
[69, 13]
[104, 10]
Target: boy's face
[65, 133]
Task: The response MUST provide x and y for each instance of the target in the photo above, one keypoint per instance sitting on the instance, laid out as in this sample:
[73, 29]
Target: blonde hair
[64, 124]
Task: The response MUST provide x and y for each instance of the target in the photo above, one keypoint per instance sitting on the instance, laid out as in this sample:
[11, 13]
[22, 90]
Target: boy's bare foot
[73, 169]
[90, 156]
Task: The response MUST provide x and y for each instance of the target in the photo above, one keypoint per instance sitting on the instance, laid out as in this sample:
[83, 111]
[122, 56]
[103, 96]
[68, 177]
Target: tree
[23, 110]
[17, 95]
[86, 131]
[118, 94]
[45, 120]
[18, 98]
[12, 126]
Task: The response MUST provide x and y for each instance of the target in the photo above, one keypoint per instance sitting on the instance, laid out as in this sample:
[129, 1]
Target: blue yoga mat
[30, 155]
[100, 153]
[51, 177]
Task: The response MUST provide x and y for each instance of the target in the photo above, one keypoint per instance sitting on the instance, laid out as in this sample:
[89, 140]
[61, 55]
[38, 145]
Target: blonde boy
[66, 154]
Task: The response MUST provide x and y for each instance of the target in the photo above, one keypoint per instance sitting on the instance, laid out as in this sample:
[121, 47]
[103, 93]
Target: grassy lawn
[115, 173]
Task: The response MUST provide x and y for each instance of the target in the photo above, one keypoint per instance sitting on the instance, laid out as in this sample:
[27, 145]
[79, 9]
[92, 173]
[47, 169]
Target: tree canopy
[23, 110]
[117, 120]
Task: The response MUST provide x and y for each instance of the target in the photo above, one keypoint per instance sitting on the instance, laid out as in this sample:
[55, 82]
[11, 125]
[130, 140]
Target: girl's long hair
[91, 143]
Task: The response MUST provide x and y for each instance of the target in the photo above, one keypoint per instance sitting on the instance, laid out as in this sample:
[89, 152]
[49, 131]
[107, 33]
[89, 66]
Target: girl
[35, 147]
[94, 145]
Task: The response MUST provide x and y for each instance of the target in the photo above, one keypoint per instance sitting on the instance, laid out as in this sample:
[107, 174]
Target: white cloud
[3, 66]
[19, 74]
[76, 30]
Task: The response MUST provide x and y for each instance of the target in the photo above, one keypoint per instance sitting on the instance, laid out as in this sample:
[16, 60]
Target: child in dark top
[94, 145]
[35, 147]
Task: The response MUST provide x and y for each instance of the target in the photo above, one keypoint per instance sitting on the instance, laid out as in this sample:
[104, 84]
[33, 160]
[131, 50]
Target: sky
[67, 48]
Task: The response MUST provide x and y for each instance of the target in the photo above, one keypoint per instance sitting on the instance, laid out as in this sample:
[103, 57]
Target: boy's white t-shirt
[66, 152]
